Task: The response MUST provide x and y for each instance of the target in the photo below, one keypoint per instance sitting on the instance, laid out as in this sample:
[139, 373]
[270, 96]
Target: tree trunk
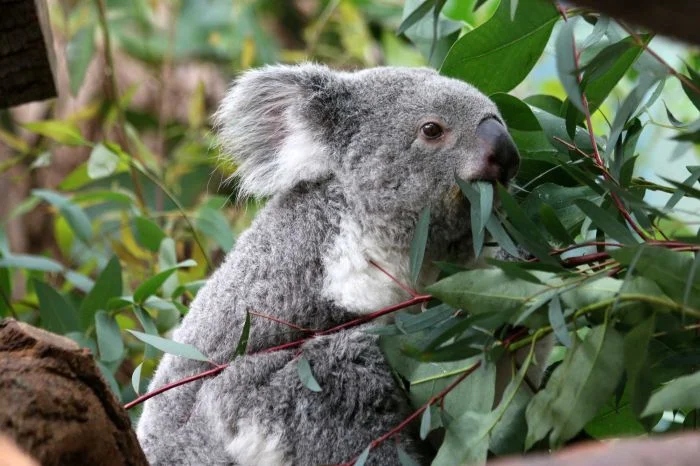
[55, 405]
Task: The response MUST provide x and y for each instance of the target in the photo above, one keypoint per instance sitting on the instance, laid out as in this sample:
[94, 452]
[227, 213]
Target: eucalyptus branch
[293, 344]
[435, 399]
[596, 157]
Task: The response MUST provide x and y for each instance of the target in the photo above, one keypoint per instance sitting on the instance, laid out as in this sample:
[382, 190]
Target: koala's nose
[500, 150]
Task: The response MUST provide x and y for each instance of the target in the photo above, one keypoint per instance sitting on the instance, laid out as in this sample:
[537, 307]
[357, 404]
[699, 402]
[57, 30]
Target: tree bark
[673, 18]
[55, 405]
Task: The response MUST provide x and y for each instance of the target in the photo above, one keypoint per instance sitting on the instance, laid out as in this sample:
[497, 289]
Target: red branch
[177, 383]
[418, 299]
[597, 159]
[437, 398]
[355, 322]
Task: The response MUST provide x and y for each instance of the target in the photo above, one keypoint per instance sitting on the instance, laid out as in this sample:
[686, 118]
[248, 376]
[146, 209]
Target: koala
[348, 161]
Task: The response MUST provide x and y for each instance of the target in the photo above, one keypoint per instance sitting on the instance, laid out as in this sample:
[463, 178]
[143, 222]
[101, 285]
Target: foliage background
[115, 210]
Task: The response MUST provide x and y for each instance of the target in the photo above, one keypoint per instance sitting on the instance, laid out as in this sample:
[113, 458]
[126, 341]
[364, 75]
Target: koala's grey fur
[348, 172]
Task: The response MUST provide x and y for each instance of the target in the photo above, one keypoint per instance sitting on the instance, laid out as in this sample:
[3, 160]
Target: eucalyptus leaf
[306, 375]
[57, 314]
[578, 387]
[420, 239]
[109, 340]
[510, 45]
[170, 346]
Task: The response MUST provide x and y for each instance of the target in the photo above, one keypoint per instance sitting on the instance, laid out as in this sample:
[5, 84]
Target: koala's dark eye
[431, 130]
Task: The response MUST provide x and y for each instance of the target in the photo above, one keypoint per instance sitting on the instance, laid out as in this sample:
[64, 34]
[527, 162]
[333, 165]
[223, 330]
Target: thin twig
[638, 40]
[435, 399]
[283, 322]
[597, 159]
[177, 383]
[293, 344]
[404, 287]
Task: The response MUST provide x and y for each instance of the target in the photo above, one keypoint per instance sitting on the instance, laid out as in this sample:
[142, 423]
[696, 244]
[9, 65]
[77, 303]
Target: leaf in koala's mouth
[480, 195]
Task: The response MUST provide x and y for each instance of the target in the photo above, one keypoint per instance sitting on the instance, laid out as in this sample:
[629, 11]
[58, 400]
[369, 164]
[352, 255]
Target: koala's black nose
[499, 149]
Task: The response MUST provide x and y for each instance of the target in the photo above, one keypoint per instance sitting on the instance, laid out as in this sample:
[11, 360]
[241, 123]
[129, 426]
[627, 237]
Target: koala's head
[391, 139]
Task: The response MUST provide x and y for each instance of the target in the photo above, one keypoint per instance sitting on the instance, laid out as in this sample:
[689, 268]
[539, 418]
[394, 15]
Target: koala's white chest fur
[351, 281]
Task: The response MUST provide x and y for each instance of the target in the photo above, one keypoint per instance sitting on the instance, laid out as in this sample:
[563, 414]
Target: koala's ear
[272, 124]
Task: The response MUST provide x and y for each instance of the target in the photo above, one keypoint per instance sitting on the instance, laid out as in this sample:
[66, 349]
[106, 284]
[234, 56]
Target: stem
[437, 398]
[638, 40]
[406, 288]
[354, 323]
[172, 385]
[597, 159]
[113, 90]
[293, 344]
[283, 322]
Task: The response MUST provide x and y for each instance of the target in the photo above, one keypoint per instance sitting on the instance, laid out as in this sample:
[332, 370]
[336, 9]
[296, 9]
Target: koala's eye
[431, 130]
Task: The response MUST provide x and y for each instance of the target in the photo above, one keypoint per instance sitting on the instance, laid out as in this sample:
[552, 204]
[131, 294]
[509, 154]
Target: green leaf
[636, 351]
[533, 240]
[606, 222]
[28, 262]
[57, 314]
[306, 376]
[136, 379]
[689, 182]
[107, 286]
[62, 131]
[362, 459]
[404, 458]
[511, 47]
[243, 340]
[692, 94]
[148, 233]
[79, 52]
[494, 227]
[680, 393]
[549, 219]
[102, 162]
[486, 291]
[109, 339]
[5, 292]
[610, 64]
[467, 438]
[416, 15]
[74, 215]
[578, 387]
[425, 424]
[183, 350]
[214, 225]
[566, 63]
[150, 286]
[556, 320]
[669, 269]
[149, 327]
[480, 196]
[420, 238]
[515, 112]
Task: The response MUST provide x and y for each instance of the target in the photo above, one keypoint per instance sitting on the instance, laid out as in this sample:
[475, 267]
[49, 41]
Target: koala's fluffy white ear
[265, 124]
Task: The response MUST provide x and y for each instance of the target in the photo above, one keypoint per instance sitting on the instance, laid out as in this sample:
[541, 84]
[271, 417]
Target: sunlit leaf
[510, 46]
[62, 131]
